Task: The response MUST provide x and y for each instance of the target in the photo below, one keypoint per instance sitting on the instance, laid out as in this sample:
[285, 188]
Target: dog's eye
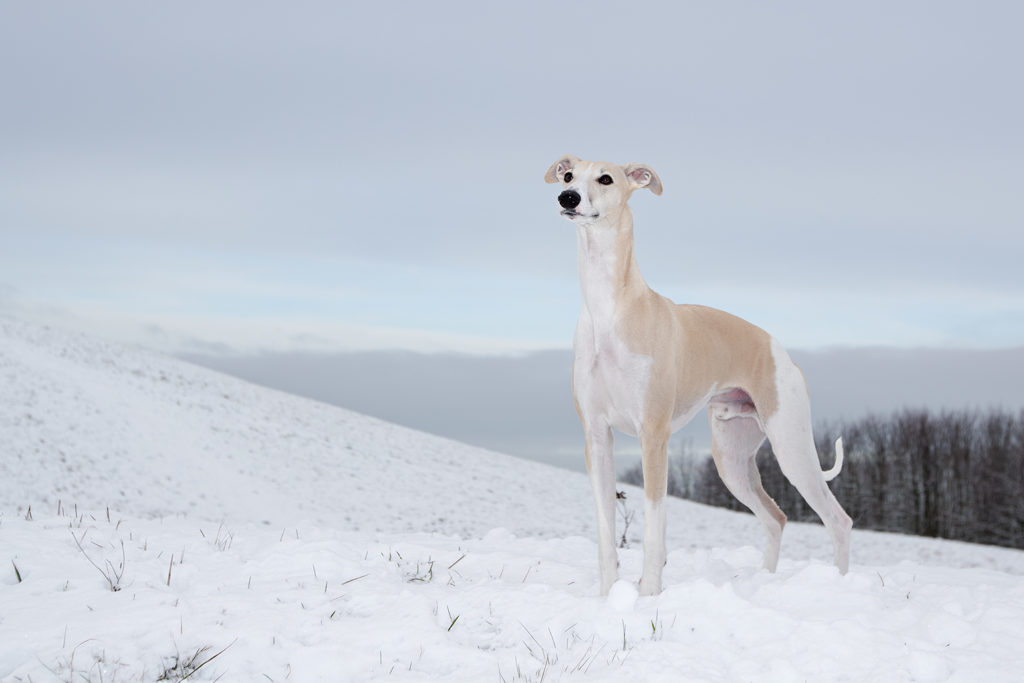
[605, 179]
[568, 177]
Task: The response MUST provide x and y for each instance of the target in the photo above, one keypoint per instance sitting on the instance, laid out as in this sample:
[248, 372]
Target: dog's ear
[559, 168]
[642, 175]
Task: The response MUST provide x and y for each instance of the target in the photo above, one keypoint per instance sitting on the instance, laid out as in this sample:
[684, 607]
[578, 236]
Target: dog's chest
[610, 381]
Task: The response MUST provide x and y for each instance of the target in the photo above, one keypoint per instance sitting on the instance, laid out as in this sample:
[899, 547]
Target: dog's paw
[649, 587]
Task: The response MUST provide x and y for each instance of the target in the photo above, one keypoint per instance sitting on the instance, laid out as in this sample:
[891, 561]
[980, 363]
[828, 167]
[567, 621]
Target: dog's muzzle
[569, 199]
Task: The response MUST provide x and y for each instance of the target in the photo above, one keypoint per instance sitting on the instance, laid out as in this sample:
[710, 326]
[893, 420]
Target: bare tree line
[955, 474]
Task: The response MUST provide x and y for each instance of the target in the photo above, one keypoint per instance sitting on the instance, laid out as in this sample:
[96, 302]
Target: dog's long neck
[608, 270]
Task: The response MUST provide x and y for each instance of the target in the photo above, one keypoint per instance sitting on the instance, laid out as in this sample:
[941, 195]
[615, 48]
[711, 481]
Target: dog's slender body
[646, 366]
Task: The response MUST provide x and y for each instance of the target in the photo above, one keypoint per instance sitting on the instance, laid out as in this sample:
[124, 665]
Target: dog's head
[592, 190]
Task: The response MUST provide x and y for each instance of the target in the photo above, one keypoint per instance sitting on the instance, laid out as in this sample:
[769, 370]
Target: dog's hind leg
[789, 431]
[798, 459]
[734, 443]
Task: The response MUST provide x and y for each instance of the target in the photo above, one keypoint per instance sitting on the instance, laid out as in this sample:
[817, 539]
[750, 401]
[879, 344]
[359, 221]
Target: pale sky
[323, 176]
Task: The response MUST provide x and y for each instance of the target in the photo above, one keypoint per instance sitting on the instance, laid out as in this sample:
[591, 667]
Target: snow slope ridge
[95, 424]
[99, 424]
[211, 529]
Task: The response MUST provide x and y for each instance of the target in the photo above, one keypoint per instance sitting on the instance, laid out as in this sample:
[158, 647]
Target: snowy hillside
[291, 540]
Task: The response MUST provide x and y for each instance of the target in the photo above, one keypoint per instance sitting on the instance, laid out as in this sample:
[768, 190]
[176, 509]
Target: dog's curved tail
[838, 467]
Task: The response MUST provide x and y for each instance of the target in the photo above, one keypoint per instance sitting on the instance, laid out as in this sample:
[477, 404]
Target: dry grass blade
[189, 667]
[355, 579]
[213, 657]
[112, 575]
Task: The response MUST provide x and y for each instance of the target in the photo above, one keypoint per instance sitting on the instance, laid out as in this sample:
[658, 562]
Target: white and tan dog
[646, 366]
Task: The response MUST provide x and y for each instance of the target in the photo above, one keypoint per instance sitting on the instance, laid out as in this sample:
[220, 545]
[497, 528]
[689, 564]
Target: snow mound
[317, 604]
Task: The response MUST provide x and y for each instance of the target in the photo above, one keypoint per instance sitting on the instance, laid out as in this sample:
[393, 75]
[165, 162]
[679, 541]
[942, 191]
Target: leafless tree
[955, 474]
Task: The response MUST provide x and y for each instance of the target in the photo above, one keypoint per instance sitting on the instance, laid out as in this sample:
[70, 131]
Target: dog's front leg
[601, 467]
[654, 445]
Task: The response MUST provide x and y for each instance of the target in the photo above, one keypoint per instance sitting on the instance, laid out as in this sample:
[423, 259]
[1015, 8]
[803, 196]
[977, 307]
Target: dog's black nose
[569, 199]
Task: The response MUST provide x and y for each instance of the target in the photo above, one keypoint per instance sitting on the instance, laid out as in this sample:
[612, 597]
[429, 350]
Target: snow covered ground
[260, 536]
